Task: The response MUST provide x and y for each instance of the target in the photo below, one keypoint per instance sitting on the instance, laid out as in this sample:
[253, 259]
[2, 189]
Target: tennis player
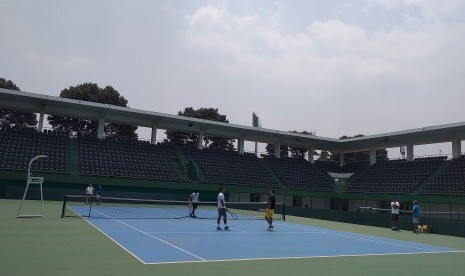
[98, 194]
[269, 211]
[89, 193]
[222, 211]
[194, 200]
[394, 214]
[416, 216]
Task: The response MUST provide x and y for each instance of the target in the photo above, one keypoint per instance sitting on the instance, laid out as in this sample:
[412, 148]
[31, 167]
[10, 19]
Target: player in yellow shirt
[269, 212]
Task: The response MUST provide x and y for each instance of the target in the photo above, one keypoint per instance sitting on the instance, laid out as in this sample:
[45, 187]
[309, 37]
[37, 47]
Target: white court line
[309, 257]
[354, 235]
[152, 236]
[234, 231]
[124, 248]
[157, 238]
[201, 260]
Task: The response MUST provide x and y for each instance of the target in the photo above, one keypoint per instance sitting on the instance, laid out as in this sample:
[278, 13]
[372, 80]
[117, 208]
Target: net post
[65, 199]
[284, 211]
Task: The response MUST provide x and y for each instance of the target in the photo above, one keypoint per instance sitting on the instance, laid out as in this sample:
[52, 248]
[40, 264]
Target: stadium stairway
[74, 166]
[354, 177]
[430, 178]
[330, 180]
[332, 183]
[281, 184]
[189, 168]
[180, 165]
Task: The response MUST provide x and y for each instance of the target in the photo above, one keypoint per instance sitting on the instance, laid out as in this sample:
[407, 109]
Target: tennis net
[131, 208]
[457, 215]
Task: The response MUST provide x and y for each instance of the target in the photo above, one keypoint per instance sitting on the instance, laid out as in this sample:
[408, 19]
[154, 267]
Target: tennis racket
[233, 215]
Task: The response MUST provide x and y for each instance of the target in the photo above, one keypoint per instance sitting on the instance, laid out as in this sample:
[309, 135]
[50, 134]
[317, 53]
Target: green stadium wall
[13, 182]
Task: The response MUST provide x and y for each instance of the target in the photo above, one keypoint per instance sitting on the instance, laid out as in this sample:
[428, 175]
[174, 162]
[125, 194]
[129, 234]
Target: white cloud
[208, 28]
[316, 66]
[336, 64]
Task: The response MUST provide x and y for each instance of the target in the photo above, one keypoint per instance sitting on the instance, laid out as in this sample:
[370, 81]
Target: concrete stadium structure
[52, 105]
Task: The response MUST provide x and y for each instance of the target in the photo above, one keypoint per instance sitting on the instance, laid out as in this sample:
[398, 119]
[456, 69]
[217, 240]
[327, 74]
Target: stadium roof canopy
[52, 105]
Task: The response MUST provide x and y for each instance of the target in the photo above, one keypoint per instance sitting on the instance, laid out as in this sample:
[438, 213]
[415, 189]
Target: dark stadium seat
[395, 176]
[126, 158]
[298, 173]
[451, 180]
[230, 167]
[349, 167]
[19, 146]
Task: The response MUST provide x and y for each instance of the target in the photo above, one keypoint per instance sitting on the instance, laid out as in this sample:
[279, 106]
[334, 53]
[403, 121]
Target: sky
[332, 67]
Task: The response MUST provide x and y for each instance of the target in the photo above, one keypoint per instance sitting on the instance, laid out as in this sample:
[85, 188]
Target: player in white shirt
[394, 214]
[194, 201]
[89, 192]
[222, 211]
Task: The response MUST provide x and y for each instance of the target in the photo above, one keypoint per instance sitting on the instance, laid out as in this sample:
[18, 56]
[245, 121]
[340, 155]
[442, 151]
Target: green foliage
[324, 156]
[284, 150]
[189, 138]
[92, 93]
[297, 152]
[293, 152]
[15, 118]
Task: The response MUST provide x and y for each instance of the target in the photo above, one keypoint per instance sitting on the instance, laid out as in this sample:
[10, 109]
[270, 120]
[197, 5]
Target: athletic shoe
[218, 228]
[226, 228]
[269, 228]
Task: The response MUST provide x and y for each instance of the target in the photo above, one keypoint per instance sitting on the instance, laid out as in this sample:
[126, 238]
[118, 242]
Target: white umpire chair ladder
[32, 180]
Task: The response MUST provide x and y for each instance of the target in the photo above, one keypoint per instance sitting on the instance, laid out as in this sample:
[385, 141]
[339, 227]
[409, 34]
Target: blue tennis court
[157, 241]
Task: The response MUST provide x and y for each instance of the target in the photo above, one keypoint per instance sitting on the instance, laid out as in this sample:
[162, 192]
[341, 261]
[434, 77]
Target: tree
[324, 156]
[189, 138]
[92, 93]
[293, 152]
[284, 150]
[381, 154]
[297, 152]
[14, 118]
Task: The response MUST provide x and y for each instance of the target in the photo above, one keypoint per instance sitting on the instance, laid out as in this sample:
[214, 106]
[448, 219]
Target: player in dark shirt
[269, 212]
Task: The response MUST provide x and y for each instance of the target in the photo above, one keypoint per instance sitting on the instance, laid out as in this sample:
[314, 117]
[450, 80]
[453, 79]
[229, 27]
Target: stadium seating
[349, 167]
[231, 167]
[19, 146]
[395, 176]
[298, 173]
[126, 158]
[451, 180]
[137, 159]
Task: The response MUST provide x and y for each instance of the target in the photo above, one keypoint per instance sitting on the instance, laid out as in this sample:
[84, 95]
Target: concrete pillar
[410, 154]
[153, 140]
[277, 150]
[341, 160]
[240, 145]
[41, 121]
[456, 148]
[200, 141]
[311, 158]
[101, 125]
[372, 156]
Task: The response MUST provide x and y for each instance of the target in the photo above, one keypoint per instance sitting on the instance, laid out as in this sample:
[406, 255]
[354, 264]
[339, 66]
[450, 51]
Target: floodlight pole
[33, 180]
